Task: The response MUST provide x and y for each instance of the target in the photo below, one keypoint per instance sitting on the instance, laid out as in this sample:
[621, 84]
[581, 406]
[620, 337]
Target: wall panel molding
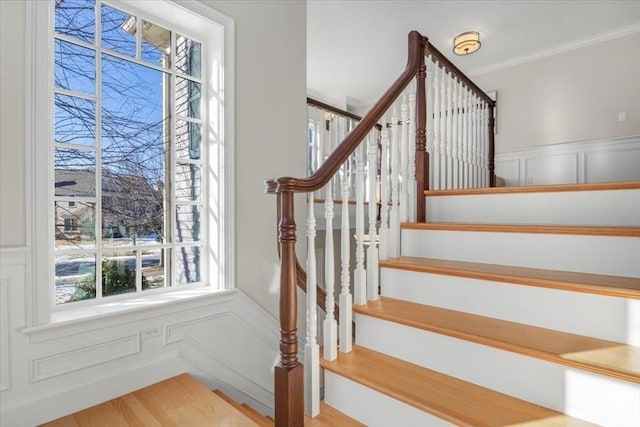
[64, 362]
[597, 160]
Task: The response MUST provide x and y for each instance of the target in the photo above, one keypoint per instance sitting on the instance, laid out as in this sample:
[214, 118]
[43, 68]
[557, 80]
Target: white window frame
[176, 15]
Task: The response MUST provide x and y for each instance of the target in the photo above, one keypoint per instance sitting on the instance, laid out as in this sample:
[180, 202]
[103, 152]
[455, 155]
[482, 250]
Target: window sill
[69, 321]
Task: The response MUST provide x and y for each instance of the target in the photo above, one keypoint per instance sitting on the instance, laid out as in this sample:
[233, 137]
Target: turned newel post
[289, 392]
[422, 156]
[492, 166]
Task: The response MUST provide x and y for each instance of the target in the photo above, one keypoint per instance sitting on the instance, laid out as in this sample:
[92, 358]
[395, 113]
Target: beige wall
[12, 126]
[270, 130]
[568, 97]
[270, 114]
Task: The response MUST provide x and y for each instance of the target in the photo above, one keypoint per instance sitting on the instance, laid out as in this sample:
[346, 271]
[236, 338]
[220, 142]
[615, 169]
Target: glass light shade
[466, 43]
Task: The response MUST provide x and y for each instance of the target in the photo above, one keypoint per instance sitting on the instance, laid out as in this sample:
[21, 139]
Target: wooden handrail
[330, 166]
[330, 108]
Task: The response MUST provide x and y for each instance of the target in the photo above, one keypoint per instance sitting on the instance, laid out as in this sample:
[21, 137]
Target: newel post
[422, 156]
[492, 165]
[289, 388]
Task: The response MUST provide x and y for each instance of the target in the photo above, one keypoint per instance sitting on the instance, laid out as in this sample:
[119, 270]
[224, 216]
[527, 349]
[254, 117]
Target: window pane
[187, 98]
[188, 264]
[75, 173]
[188, 182]
[75, 225]
[75, 120]
[156, 44]
[75, 67]
[154, 271]
[75, 278]
[188, 56]
[118, 273]
[135, 139]
[188, 223]
[132, 211]
[76, 18]
[188, 140]
[118, 31]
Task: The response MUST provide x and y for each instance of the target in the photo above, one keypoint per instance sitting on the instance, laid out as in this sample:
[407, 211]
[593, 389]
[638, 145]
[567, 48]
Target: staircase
[509, 306]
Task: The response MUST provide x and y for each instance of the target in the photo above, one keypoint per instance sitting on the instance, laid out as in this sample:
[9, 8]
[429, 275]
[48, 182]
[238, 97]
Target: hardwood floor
[182, 401]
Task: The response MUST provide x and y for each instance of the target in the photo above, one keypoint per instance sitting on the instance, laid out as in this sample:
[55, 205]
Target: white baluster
[404, 160]
[449, 127]
[455, 137]
[481, 147]
[311, 348]
[330, 326]
[394, 217]
[477, 146]
[466, 141]
[436, 127]
[384, 192]
[443, 129]
[431, 67]
[346, 301]
[360, 275]
[372, 250]
[476, 155]
[411, 179]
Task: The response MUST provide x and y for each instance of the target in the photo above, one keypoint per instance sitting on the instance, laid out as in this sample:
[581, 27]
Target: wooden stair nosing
[443, 396]
[525, 228]
[607, 358]
[600, 284]
[602, 186]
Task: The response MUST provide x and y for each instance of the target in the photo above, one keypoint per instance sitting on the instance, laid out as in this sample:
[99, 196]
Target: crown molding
[587, 41]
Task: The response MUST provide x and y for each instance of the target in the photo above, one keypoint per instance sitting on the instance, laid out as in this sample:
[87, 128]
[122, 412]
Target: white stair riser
[617, 319]
[373, 408]
[535, 380]
[618, 256]
[594, 208]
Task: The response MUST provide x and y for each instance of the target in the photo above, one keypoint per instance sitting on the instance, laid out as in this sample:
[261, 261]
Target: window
[137, 151]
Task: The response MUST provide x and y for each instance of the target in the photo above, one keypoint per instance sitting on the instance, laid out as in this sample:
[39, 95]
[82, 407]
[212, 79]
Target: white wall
[271, 121]
[572, 96]
[12, 126]
[224, 339]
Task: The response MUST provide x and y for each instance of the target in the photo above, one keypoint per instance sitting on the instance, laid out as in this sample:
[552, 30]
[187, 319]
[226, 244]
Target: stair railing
[460, 127]
[387, 167]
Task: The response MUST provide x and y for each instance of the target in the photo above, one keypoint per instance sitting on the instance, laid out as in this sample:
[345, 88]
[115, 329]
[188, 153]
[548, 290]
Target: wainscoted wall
[224, 339]
[601, 160]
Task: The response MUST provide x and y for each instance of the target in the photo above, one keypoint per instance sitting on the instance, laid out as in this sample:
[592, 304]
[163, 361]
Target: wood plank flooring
[592, 354]
[625, 287]
[180, 401]
[449, 398]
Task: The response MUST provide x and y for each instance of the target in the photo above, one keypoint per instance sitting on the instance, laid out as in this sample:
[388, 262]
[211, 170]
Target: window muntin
[128, 151]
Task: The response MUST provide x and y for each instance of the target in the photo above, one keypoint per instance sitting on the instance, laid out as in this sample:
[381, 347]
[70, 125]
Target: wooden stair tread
[251, 413]
[598, 186]
[328, 416]
[446, 397]
[617, 286]
[177, 401]
[604, 357]
[525, 228]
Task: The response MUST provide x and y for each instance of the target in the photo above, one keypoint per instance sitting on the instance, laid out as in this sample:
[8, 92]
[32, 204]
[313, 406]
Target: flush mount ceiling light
[466, 43]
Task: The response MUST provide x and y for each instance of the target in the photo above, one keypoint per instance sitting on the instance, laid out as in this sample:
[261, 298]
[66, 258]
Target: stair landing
[182, 401]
